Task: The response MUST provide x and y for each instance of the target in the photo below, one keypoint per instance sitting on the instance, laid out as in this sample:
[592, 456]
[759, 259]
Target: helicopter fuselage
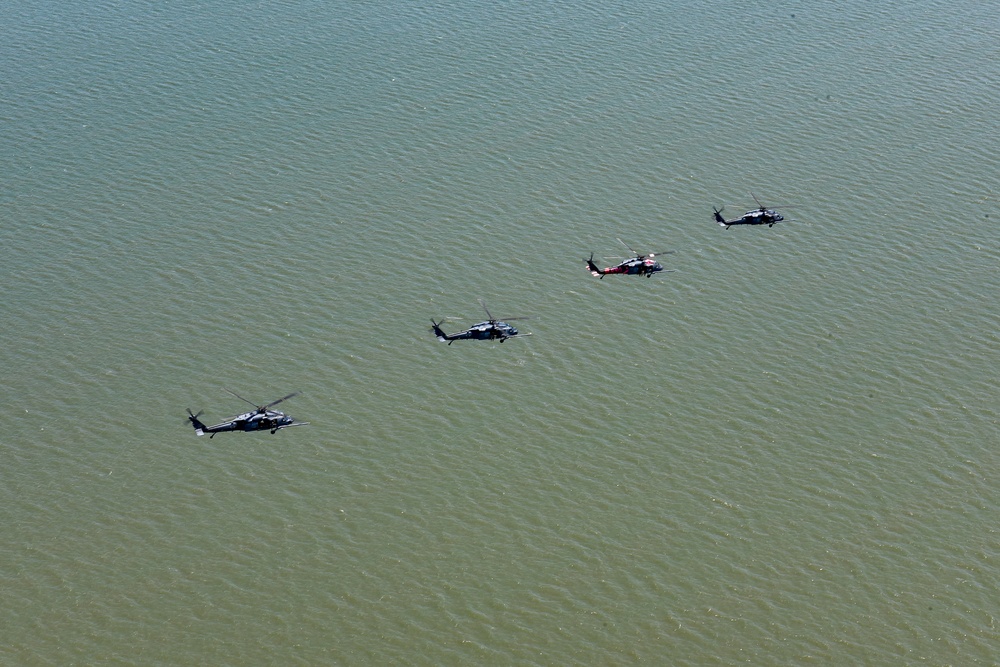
[268, 420]
[758, 217]
[256, 421]
[636, 267]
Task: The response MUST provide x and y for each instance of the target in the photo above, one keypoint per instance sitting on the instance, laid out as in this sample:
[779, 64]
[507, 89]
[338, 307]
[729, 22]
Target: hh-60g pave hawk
[640, 265]
[760, 216]
[262, 418]
[491, 329]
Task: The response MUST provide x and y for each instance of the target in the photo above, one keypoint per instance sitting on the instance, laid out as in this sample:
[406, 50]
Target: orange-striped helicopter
[640, 265]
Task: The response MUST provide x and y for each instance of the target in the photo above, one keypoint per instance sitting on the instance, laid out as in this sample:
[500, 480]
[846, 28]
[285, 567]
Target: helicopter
[491, 329]
[262, 418]
[641, 265]
[759, 216]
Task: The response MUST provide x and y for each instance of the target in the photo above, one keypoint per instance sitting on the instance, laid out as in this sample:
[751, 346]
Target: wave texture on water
[780, 453]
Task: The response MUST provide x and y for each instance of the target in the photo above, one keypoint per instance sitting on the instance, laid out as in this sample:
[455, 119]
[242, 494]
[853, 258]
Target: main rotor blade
[483, 304]
[284, 398]
[627, 246]
[507, 319]
[771, 207]
[241, 398]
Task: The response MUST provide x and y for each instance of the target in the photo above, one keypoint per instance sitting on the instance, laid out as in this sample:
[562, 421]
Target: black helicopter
[640, 265]
[491, 329]
[262, 418]
[759, 216]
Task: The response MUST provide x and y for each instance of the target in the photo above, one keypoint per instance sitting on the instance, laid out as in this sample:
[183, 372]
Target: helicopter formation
[264, 418]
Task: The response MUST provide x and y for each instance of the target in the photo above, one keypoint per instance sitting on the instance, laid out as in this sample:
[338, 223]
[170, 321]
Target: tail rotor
[437, 331]
[199, 428]
[593, 268]
[718, 217]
